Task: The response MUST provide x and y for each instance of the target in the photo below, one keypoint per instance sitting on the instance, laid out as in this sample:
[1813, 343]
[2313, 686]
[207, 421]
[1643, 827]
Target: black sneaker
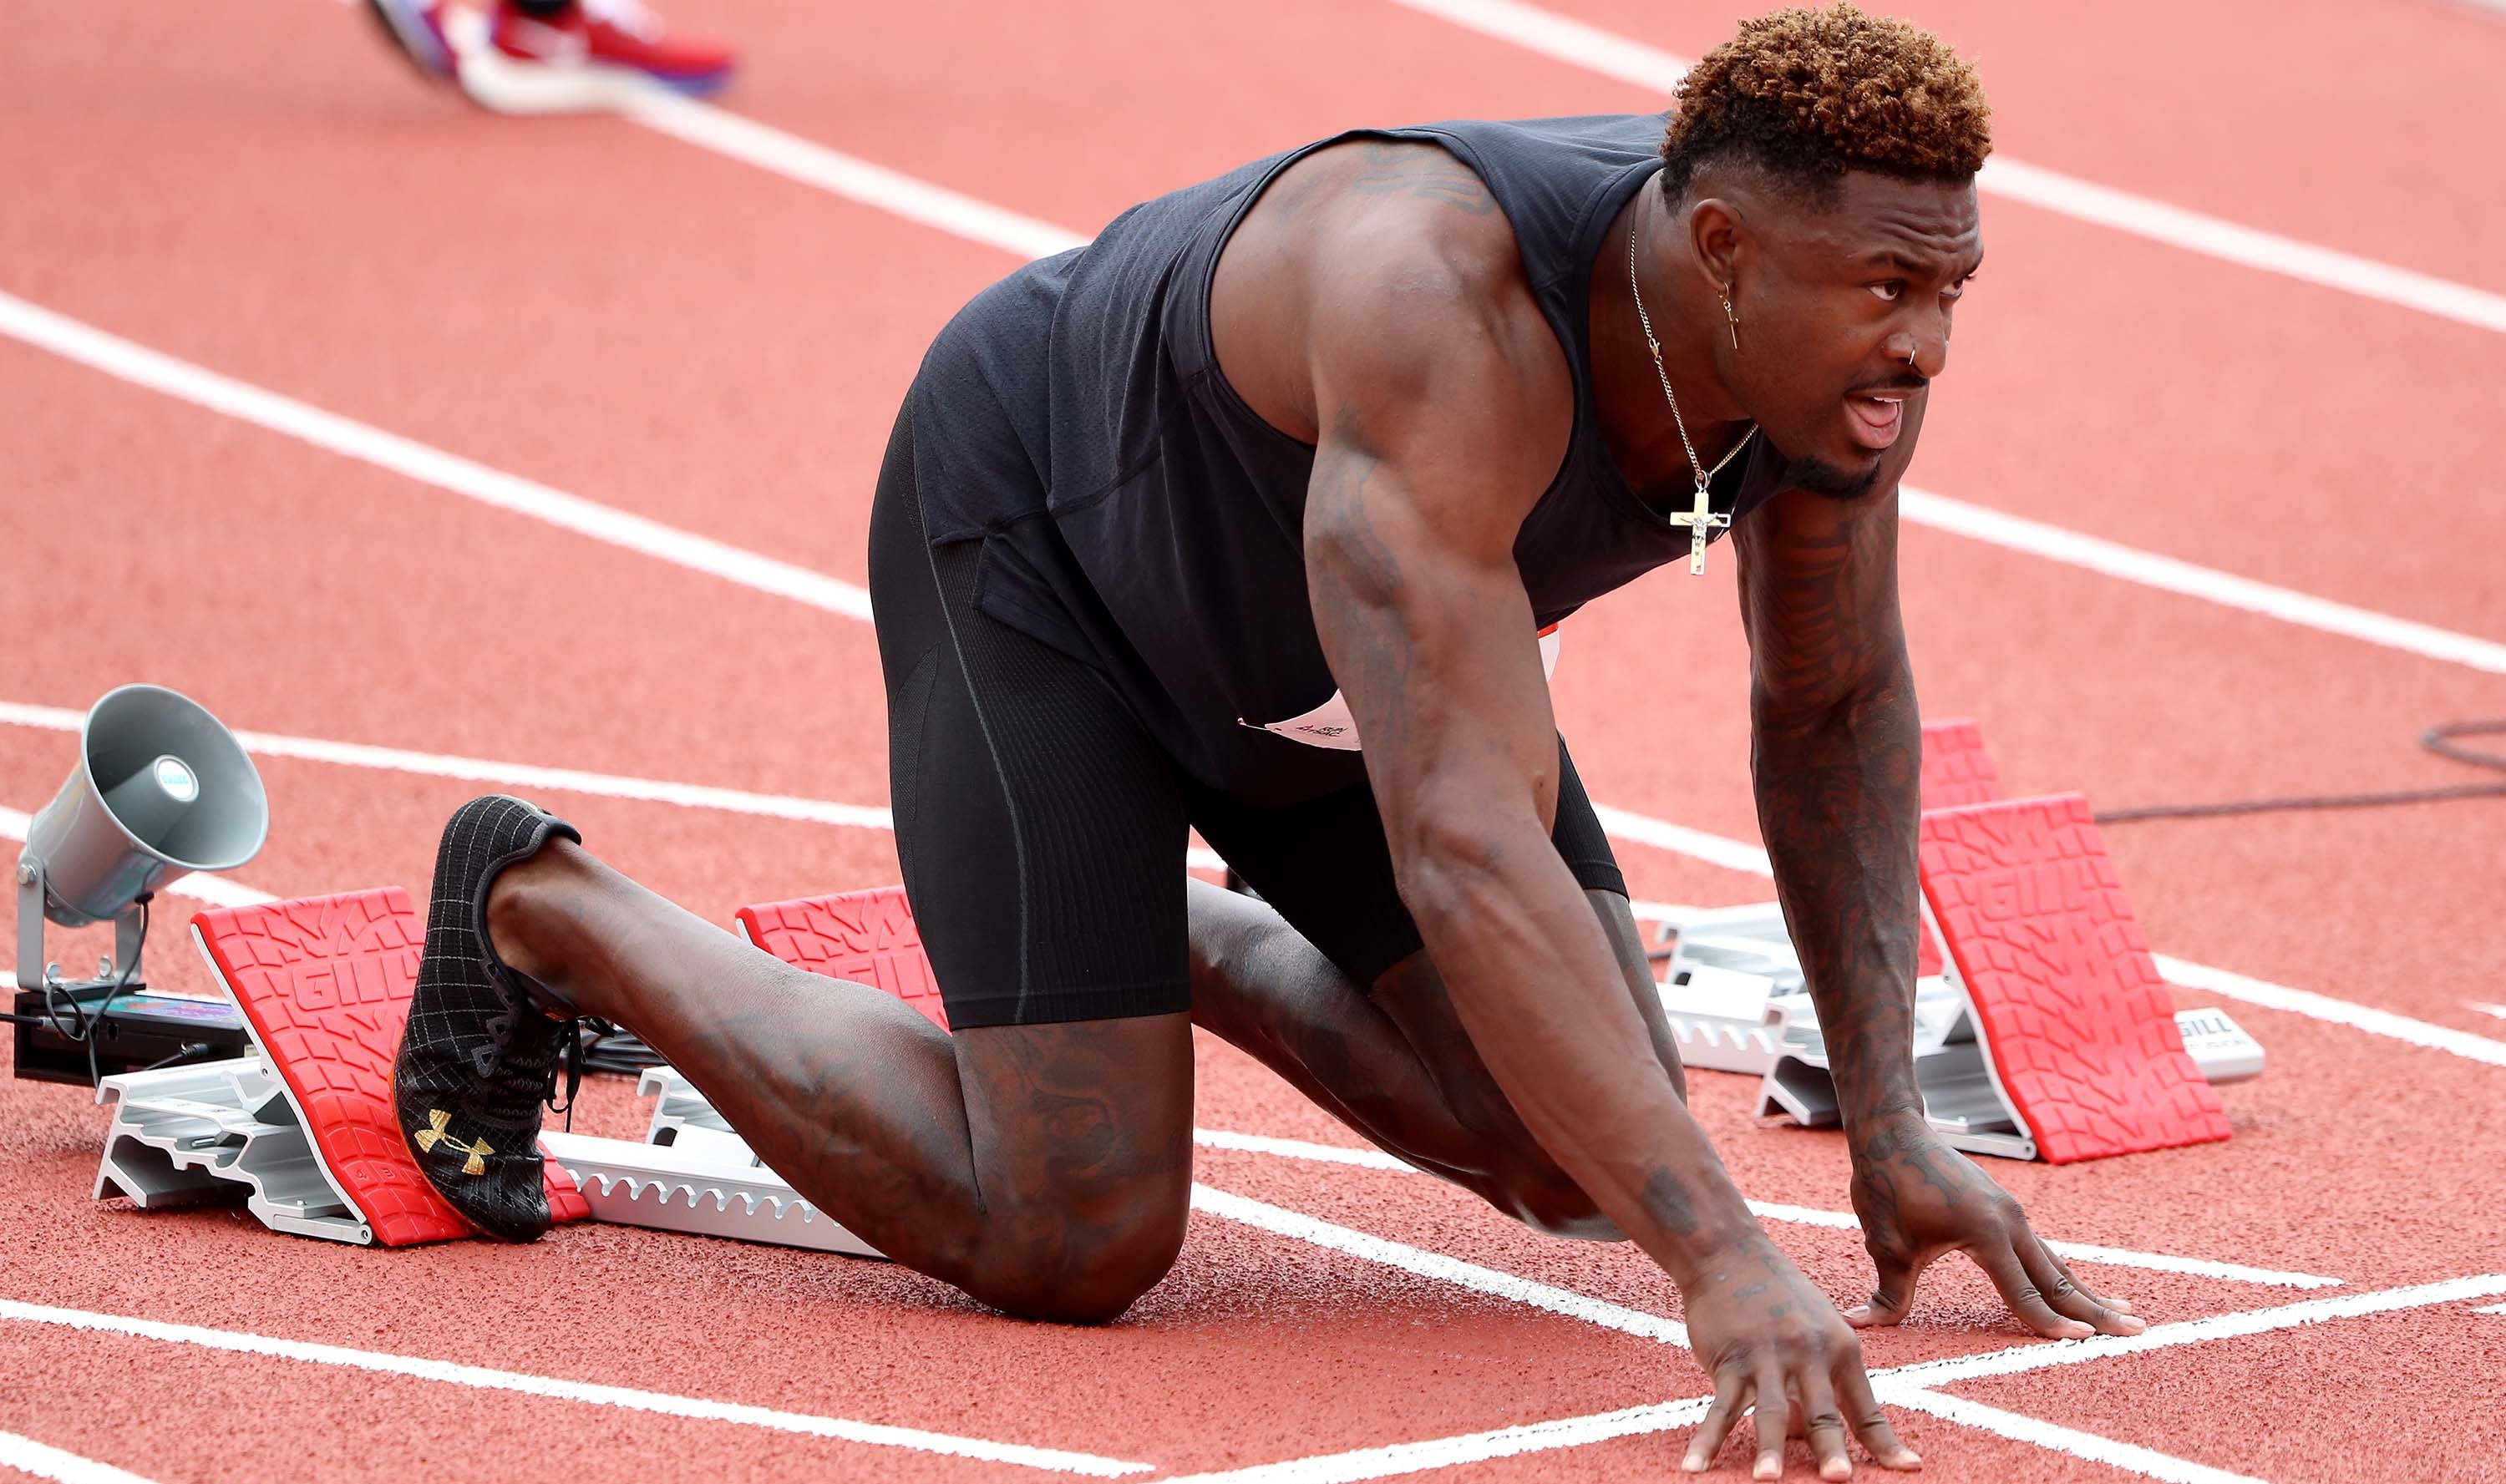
[479, 1053]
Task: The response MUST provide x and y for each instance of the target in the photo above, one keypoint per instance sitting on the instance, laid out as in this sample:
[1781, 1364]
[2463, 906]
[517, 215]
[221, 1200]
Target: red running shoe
[591, 54]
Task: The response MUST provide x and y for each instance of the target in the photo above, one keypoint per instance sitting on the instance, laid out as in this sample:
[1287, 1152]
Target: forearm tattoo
[1835, 758]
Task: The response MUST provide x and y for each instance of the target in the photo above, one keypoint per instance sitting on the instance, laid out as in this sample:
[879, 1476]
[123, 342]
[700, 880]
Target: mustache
[1907, 381]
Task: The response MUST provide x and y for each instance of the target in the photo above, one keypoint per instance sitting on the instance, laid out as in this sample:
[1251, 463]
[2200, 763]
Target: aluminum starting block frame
[1753, 1018]
[185, 1136]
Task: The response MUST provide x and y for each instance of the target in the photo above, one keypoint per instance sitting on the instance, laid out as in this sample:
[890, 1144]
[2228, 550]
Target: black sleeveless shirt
[1137, 514]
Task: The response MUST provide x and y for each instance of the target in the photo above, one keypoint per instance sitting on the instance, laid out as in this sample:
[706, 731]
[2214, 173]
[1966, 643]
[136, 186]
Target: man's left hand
[1918, 1198]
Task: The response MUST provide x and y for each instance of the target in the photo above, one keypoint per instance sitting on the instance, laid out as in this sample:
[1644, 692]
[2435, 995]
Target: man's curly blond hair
[1810, 94]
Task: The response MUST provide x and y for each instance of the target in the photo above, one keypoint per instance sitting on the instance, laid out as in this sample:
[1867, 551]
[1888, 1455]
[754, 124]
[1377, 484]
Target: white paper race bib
[1330, 724]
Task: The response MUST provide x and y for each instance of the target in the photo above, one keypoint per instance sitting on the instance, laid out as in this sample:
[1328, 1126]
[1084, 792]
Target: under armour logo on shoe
[438, 1121]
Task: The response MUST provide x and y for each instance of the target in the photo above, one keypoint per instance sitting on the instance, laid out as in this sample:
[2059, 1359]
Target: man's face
[1847, 316]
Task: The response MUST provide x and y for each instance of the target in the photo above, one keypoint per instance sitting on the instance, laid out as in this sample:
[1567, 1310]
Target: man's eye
[1888, 291]
[1957, 290]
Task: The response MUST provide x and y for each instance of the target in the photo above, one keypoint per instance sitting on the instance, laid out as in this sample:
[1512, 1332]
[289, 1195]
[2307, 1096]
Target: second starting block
[2041, 1026]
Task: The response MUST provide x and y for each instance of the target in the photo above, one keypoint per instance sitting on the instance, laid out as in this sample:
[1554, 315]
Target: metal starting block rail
[695, 1175]
[709, 1185]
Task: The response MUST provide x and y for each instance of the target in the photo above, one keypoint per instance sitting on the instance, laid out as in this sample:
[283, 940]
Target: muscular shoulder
[1387, 264]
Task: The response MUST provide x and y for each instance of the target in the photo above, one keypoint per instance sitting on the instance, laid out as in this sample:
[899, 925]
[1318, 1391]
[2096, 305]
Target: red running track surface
[679, 336]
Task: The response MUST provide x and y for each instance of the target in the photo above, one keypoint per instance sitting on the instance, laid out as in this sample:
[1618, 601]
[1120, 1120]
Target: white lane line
[1628, 1421]
[856, 180]
[2498, 1010]
[199, 886]
[1468, 1448]
[2148, 568]
[2024, 1429]
[46, 1462]
[2084, 1252]
[874, 186]
[2491, 1309]
[481, 1378]
[1298, 1148]
[522, 775]
[518, 775]
[2221, 1326]
[1775, 1211]
[1426, 1264]
[1679, 839]
[115, 356]
[2305, 1002]
[1583, 44]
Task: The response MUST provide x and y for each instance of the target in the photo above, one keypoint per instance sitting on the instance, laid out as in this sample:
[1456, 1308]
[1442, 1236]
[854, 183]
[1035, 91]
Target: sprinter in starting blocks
[1306, 608]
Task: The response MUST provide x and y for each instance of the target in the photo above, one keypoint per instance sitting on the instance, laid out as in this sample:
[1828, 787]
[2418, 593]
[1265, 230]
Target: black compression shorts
[1043, 831]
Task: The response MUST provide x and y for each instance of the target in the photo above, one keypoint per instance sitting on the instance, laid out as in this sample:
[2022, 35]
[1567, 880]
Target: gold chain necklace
[1701, 519]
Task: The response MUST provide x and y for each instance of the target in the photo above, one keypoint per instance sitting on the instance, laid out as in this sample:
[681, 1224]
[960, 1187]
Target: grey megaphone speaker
[160, 789]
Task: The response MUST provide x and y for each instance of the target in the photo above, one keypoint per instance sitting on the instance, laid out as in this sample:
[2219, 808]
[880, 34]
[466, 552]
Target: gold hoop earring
[1731, 317]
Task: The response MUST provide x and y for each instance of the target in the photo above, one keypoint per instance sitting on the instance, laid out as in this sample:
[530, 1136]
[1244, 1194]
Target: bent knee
[1067, 1271]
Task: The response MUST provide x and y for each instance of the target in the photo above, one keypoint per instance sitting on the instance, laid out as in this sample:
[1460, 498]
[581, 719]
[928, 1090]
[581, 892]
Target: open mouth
[1874, 417]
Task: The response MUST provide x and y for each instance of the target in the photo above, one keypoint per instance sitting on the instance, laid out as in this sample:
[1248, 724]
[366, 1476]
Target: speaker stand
[30, 922]
[34, 971]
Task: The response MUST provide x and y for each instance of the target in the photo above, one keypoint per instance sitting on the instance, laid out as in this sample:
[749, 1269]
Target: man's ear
[1718, 236]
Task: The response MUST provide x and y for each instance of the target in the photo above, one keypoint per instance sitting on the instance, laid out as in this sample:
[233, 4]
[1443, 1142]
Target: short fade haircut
[1809, 94]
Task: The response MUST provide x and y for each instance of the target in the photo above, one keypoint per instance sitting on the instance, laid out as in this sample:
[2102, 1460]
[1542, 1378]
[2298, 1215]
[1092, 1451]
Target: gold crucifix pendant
[1700, 521]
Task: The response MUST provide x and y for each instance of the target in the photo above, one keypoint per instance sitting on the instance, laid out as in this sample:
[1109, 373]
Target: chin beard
[1821, 477]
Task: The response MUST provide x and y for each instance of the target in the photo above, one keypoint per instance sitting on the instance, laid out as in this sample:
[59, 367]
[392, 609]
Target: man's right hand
[1766, 1336]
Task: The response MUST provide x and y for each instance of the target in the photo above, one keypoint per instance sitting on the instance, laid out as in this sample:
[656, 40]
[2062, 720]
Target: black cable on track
[2440, 740]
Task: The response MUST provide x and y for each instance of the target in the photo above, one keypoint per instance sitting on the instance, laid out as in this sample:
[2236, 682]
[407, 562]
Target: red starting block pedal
[867, 937]
[2078, 1030]
[1956, 769]
[1956, 772]
[324, 984]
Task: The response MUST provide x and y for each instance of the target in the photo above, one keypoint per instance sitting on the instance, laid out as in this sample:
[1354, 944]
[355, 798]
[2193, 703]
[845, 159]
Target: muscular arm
[1836, 750]
[1437, 395]
[1441, 406]
[1837, 757]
